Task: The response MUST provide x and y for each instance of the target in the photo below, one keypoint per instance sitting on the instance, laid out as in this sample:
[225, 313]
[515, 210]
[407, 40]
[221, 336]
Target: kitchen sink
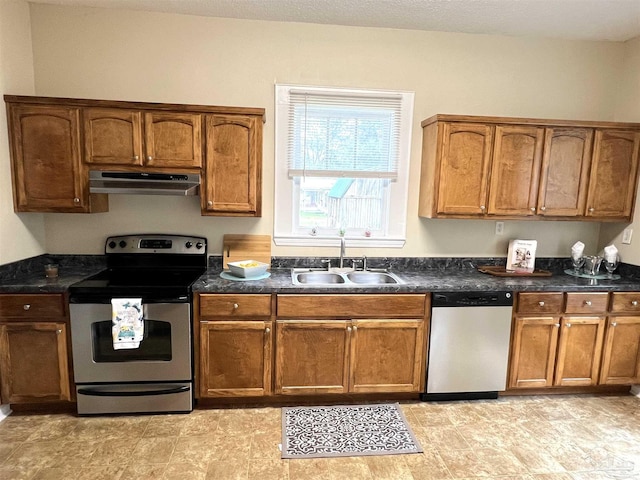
[372, 278]
[354, 278]
[318, 278]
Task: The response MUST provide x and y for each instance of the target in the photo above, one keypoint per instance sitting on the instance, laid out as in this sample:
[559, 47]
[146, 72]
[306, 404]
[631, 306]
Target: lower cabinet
[575, 339]
[34, 349]
[342, 344]
[233, 345]
[328, 354]
[621, 355]
[235, 358]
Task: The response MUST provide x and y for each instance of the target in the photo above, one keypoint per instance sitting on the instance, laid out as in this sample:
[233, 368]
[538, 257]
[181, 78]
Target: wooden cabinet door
[579, 351]
[312, 357]
[464, 168]
[565, 172]
[173, 140]
[614, 168]
[515, 169]
[233, 167]
[112, 136]
[47, 171]
[387, 356]
[621, 356]
[33, 362]
[235, 358]
[533, 352]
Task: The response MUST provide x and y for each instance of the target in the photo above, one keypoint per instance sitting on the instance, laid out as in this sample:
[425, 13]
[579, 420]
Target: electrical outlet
[626, 236]
[499, 228]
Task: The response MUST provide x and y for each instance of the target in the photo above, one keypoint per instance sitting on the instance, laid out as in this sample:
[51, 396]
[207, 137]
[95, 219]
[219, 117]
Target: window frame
[287, 189]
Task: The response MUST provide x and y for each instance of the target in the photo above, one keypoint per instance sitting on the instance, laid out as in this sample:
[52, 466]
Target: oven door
[163, 355]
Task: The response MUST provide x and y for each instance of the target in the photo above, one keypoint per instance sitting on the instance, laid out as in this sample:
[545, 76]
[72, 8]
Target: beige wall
[21, 235]
[126, 55]
[627, 110]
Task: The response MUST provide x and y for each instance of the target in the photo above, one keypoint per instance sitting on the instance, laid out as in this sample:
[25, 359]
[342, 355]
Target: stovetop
[155, 267]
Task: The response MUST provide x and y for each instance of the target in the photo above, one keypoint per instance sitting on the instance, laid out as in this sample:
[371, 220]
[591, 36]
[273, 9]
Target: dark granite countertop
[27, 276]
[422, 275]
[419, 275]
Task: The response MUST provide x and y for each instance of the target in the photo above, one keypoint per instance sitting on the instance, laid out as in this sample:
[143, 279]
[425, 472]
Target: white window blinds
[338, 134]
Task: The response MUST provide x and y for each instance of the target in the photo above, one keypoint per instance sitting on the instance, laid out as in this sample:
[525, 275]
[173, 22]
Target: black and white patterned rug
[346, 431]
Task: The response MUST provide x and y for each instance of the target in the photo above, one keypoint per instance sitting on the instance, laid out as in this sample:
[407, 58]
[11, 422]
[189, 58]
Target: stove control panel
[156, 243]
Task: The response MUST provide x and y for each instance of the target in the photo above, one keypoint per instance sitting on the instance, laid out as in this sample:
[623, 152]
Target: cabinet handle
[59, 331]
[26, 306]
[543, 208]
[235, 306]
[76, 200]
[557, 325]
[267, 330]
[149, 158]
[355, 327]
[613, 324]
[348, 329]
[591, 209]
[209, 203]
[568, 325]
[533, 209]
[587, 303]
[634, 303]
[482, 207]
[136, 157]
[541, 304]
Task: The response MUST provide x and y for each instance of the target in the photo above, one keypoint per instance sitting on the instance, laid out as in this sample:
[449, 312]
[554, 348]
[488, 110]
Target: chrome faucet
[343, 246]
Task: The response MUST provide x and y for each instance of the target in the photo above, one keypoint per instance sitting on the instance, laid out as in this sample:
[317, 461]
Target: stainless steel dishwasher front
[468, 345]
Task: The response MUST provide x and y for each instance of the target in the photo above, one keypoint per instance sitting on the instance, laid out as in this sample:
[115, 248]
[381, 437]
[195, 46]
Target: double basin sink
[353, 278]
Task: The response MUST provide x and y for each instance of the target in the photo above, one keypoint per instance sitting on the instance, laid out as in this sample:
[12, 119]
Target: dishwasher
[468, 345]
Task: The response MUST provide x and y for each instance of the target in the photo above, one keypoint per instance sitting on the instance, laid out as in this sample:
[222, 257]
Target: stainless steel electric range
[153, 273]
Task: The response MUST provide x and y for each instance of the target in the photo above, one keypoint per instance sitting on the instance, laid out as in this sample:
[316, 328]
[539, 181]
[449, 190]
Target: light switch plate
[626, 236]
[499, 228]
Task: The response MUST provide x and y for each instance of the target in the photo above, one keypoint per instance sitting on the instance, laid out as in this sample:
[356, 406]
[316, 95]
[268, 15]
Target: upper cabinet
[56, 141]
[136, 138]
[232, 180]
[497, 167]
[48, 175]
[612, 188]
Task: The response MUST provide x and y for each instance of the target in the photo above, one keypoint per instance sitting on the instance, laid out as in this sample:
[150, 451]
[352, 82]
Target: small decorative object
[611, 259]
[341, 232]
[577, 263]
[592, 264]
[367, 232]
[51, 270]
[314, 231]
[521, 256]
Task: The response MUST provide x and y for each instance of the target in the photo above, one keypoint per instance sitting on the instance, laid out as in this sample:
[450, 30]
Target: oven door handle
[100, 392]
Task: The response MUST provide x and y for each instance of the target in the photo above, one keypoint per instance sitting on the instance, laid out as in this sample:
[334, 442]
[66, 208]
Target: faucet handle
[328, 262]
[355, 262]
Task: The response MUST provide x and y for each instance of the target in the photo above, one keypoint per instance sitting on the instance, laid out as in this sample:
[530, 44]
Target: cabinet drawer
[539, 303]
[368, 306]
[587, 302]
[32, 306]
[235, 305]
[625, 302]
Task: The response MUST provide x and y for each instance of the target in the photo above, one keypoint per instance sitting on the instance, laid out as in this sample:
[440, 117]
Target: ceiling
[608, 20]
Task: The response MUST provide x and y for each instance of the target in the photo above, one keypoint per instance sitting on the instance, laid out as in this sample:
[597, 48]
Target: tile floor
[513, 438]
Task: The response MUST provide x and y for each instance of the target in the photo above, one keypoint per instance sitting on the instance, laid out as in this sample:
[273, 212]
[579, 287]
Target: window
[342, 161]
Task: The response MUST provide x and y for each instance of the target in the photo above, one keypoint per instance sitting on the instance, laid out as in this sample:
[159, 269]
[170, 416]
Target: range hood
[143, 183]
